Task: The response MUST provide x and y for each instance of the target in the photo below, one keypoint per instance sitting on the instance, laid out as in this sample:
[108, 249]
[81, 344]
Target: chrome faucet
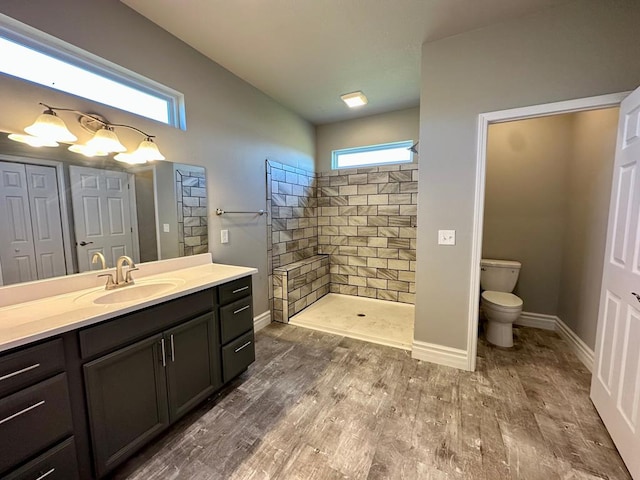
[99, 256]
[122, 280]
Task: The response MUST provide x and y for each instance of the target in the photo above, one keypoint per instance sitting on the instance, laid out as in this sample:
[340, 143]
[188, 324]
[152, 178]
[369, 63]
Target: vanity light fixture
[354, 99]
[49, 129]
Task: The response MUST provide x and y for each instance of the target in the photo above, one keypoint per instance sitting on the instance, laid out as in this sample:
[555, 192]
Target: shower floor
[376, 321]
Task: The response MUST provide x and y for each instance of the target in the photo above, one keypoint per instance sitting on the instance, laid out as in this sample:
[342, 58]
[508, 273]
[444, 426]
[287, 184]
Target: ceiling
[306, 53]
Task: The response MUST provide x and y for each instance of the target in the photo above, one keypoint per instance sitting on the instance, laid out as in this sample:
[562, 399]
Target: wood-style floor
[321, 406]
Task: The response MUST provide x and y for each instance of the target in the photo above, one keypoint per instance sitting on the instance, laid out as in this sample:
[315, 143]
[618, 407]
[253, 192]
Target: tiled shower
[364, 219]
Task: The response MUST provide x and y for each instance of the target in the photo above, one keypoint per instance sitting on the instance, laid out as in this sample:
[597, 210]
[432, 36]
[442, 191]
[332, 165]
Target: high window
[34, 56]
[372, 155]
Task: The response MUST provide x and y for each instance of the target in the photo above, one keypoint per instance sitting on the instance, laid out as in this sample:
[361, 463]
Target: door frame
[484, 120]
[69, 254]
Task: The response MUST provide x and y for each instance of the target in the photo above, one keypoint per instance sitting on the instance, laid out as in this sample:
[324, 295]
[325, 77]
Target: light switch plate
[224, 236]
[165, 227]
[446, 237]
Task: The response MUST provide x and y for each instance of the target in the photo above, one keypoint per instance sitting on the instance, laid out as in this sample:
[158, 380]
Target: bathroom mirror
[58, 209]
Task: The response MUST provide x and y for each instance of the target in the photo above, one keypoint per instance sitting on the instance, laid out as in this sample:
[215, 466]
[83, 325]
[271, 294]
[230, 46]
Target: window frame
[55, 48]
[335, 154]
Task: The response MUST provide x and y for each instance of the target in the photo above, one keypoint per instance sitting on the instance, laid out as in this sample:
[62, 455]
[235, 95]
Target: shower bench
[297, 285]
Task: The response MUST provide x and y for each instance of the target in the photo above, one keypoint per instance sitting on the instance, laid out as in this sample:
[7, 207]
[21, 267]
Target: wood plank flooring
[322, 406]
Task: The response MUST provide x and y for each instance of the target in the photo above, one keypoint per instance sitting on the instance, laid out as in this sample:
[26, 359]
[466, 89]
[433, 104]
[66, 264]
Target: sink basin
[138, 291]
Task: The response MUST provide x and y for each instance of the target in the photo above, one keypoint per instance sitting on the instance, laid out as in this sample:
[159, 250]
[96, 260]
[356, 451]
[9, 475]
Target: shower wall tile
[363, 219]
[292, 229]
[367, 221]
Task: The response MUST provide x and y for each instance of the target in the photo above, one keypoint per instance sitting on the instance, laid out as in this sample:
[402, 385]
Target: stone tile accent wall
[292, 223]
[191, 188]
[367, 225]
[363, 219]
[299, 284]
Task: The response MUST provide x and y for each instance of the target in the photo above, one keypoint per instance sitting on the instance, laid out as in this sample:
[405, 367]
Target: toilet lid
[502, 299]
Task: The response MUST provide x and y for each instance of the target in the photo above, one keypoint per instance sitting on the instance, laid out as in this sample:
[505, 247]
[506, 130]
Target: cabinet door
[127, 400]
[193, 363]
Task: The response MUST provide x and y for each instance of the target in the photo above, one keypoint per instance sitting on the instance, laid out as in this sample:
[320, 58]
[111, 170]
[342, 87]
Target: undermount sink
[131, 293]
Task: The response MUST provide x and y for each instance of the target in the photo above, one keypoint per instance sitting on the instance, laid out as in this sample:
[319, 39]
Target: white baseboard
[262, 320]
[450, 357]
[553, 322]
[582, 351]
[538, 320]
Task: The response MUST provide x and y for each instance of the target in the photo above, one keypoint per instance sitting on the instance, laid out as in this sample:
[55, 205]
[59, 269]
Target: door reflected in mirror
[59, 209]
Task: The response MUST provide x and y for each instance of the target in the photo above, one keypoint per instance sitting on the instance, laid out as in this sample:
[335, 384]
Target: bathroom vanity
[88, 377]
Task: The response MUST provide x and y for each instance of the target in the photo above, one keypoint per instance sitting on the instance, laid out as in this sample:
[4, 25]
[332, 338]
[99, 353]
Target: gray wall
[588, 194]
[167, 210]
[231, 126]
[384, 128]
[577, 50]
[146, 207]
[524, 210]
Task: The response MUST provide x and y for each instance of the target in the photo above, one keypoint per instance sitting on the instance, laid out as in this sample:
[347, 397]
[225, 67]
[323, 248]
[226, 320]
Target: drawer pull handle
[243, 346]
[23, 411]
[46, 474]
[18, 372]
[241, 289]
[241, 309]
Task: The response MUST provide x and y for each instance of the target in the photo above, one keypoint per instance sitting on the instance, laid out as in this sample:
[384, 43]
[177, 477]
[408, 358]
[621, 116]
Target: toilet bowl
[501, 309]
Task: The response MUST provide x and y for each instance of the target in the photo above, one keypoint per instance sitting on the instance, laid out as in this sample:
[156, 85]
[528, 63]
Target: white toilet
[501, 307]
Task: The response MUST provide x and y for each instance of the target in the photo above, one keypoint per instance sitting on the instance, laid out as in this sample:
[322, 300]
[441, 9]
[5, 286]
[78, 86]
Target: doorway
[484, 120]
[547, 195]
[617, 401]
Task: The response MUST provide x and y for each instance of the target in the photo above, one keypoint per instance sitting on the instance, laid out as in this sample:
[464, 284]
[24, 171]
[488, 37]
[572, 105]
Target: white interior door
[102, 214]
[44, 206]
[17, 252]
[615, 384]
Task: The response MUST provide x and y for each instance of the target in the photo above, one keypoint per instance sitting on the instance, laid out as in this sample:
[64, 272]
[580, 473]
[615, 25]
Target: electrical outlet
[446, 237]
[224, 236]
[165, 227]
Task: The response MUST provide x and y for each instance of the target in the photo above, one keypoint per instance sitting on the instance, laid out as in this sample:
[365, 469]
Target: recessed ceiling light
[354, 99]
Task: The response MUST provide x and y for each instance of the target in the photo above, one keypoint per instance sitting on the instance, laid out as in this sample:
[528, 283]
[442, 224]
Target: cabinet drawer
[58, 463]
[238, 355]
[30, 365]
[236, 318]
[135, 326]
[33, 419]
[234, 290]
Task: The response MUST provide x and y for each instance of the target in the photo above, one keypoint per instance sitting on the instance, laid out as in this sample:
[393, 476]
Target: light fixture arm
[102, 122]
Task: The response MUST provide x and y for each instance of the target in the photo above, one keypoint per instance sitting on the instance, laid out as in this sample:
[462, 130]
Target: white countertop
[33, 320]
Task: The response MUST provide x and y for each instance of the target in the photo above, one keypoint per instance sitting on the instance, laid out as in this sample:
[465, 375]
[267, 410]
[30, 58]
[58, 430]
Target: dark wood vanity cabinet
[98, 394]
[136, 391]
[149, 368]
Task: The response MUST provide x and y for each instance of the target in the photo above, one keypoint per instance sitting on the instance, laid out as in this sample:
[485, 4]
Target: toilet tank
[499, 275]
